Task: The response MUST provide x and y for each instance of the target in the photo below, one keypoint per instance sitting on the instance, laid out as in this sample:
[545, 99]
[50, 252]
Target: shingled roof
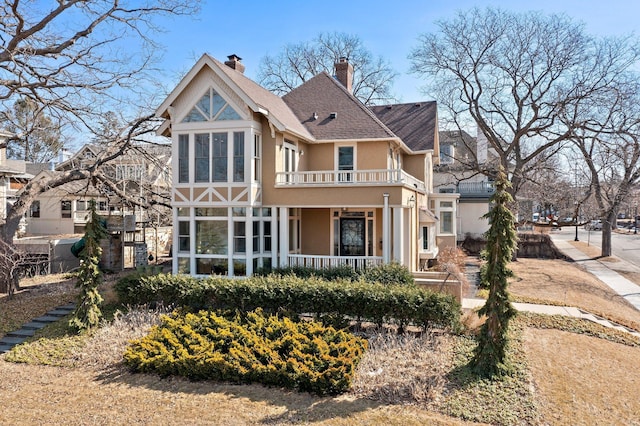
[340, 115]
[415, 123]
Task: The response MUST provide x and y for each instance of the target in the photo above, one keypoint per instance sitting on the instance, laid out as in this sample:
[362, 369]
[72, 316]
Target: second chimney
[234, 62]
[344, 73]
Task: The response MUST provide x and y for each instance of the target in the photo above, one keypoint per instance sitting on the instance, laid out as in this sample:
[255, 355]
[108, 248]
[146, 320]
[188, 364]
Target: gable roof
[323, 95]
[415, 123]
[255, 96]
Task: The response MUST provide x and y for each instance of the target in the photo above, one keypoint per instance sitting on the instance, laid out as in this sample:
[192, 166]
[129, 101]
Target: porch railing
[320, 262]
[471, 189]
[349, 177]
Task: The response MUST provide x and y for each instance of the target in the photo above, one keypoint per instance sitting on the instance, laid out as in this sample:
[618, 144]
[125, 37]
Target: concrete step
[68, 306]
[59, 312]
[34, 325]
[47, 319]
[4, 347]
[12, 340]
[23, 332]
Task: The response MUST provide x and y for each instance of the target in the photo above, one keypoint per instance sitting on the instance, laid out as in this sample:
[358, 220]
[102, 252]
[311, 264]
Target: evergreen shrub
[252, 348]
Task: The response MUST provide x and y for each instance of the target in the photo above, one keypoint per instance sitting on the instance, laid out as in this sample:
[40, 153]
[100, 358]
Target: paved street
[626, 246]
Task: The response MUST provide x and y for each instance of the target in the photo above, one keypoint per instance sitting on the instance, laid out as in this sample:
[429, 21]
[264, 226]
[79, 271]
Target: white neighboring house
[459, 154]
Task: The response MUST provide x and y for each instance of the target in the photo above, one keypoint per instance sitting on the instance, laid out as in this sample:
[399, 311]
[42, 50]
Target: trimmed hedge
[389, 274]
[253, 348]
[375, 303]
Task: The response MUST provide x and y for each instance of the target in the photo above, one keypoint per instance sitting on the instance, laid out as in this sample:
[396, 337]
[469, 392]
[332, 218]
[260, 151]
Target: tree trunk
[606, 233]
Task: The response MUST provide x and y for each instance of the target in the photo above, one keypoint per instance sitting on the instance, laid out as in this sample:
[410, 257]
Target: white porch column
[283, 237]
[386, 228]
[248, 232]
[275, 238]
[398, 234]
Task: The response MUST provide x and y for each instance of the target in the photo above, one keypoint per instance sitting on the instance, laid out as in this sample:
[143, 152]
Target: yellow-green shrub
[270, 350]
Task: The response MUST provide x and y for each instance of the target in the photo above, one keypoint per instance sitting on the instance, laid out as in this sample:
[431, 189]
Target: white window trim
[336, 156]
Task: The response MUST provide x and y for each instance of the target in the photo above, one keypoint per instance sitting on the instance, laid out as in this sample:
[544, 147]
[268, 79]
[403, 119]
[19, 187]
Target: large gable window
[211, 107]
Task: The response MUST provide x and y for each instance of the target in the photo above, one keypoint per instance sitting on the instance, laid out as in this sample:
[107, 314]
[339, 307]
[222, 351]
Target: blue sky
[253, 29]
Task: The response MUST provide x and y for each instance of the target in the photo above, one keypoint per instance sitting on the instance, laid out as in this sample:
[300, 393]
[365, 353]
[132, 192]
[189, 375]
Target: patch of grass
[507, 400]
[577, 326]
[56, 344]
[52, 345]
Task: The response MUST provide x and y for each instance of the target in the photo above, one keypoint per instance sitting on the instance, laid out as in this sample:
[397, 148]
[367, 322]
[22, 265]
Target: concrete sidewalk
[625, 288]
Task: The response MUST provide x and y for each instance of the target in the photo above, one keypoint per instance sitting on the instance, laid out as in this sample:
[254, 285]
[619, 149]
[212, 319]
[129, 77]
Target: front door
[352, 236]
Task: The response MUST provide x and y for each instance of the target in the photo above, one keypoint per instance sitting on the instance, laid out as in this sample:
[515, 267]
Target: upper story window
[446, 154]
[257, 155]
[183, 158]
[346, 158]
[65, 209]
[129, 171]
[290, 159]
[211, 107]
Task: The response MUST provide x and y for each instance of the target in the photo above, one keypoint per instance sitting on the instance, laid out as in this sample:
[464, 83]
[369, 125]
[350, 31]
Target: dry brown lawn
[565, 283]
[584, 380]
[576, 379]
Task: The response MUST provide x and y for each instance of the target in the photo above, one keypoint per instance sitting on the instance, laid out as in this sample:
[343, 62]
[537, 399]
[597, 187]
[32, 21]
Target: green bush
[388, 274]
[250, 348]
[331, 300]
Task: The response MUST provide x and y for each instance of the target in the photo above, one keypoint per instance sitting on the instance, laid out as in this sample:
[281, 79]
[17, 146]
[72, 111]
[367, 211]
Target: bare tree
[608, 137]
[297, 63]
[513, 75]
[76, 59]
[72, 57]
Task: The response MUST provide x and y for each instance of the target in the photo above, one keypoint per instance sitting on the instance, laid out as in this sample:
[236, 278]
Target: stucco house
[457, 172]
[313, 178]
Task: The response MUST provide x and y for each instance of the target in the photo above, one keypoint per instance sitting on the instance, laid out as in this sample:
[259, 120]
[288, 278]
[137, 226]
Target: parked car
[594, 225]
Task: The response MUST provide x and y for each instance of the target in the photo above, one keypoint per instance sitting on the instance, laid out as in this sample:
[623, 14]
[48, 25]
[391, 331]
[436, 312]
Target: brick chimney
[344, 73]
[234, 62]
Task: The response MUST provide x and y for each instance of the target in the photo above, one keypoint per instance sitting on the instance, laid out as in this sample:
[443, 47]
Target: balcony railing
[320, 262]
[349, 177]
[476, 189]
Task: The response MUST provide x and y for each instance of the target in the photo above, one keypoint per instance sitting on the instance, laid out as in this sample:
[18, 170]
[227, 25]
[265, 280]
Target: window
[238, 156]
[81, 205]
[239, 237]
[290, 159]
[346, 163]
[183, 158]
[257, 154]
[129, 171]
[446, 154]
[34, 210]
[184, 240]
[102, 206]
[202, 158]
[211, 107]
[266, 238]
[211, 237]
[65, 209]
[256, 236]
[425, 238]
[219, 157]
[446, 222]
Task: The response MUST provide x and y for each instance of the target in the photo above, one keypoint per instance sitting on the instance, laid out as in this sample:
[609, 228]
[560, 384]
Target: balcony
[476, 189]
[349, 178]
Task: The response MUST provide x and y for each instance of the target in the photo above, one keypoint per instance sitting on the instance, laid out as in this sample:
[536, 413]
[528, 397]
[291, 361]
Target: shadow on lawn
[300, 406]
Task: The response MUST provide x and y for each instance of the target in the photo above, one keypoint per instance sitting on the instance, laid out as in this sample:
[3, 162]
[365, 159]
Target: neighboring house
[64, 210]
[457, 172]
[11, 174]
[314, 178]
